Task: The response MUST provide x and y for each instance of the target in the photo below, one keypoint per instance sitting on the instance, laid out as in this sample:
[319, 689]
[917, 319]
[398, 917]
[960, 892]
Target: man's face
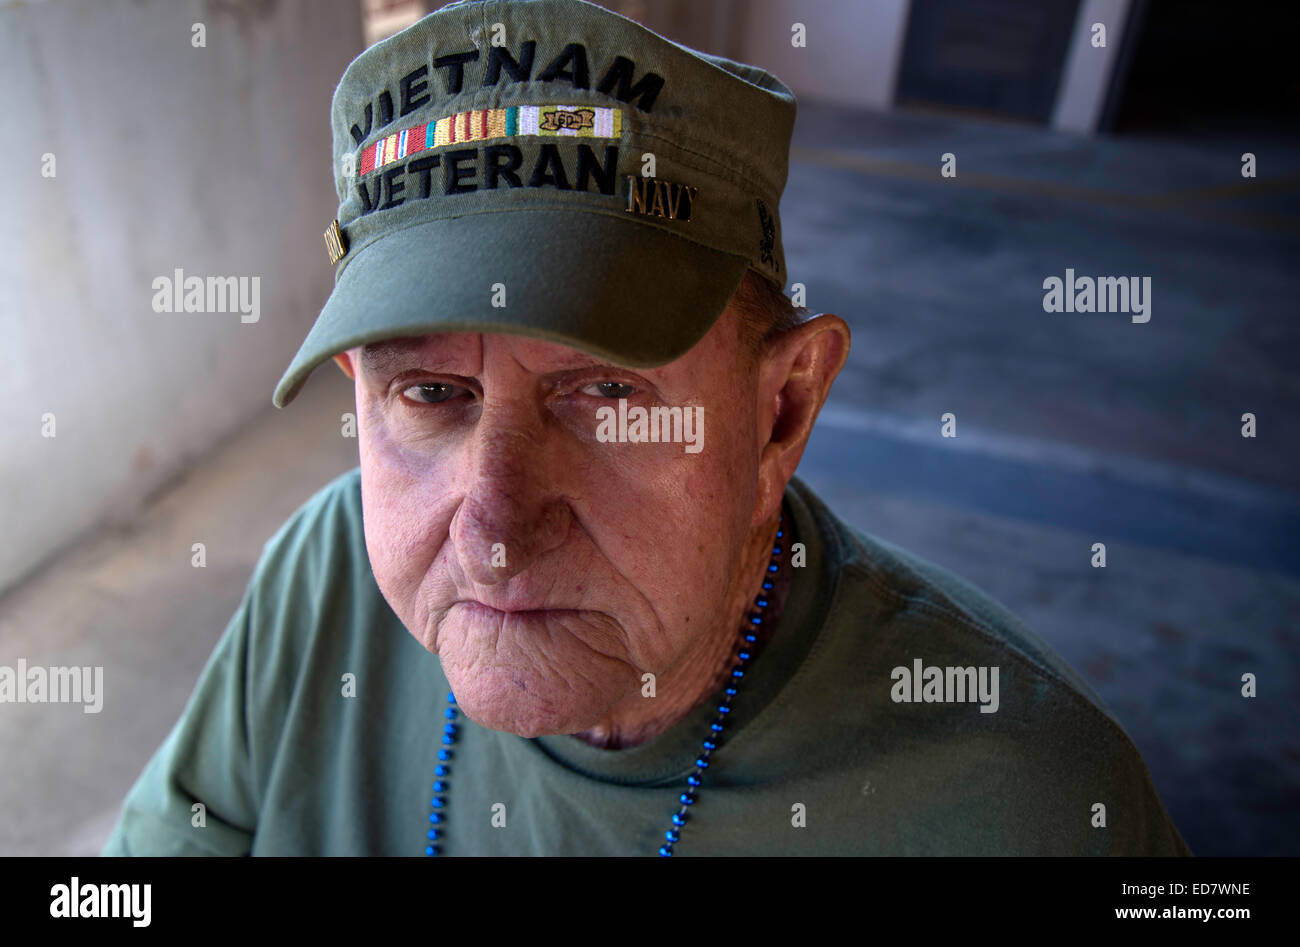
[547, 568]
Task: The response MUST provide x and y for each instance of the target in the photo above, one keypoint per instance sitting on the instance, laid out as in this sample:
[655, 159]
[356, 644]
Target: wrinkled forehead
[443, 350]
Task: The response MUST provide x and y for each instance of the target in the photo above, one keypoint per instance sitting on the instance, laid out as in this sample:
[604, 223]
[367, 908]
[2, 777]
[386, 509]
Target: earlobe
[344, 361]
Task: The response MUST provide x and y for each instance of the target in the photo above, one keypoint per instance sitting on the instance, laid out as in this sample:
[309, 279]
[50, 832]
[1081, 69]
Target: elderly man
[574, 600]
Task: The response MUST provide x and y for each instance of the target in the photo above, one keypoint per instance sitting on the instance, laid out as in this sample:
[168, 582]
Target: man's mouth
[515, 611]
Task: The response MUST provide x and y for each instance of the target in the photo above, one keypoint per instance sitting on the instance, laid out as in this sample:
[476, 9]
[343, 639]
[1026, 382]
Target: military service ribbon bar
[578, 121]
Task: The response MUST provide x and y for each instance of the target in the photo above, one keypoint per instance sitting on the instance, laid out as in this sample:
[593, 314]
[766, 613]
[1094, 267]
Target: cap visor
[617, 288]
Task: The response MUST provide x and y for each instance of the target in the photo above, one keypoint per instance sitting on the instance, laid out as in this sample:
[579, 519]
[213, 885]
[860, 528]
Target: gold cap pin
[334, 242]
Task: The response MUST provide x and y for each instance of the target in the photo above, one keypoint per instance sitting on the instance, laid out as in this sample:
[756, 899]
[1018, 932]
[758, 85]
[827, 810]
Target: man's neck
[704, 670]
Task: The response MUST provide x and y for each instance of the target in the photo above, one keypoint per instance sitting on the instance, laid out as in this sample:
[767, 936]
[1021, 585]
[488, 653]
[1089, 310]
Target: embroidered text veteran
[463, 169]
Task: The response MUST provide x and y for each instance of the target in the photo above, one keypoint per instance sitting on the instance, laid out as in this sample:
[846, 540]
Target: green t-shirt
[819, 757]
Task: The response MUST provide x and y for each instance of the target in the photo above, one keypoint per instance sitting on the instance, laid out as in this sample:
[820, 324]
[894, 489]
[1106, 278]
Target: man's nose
[511, 514]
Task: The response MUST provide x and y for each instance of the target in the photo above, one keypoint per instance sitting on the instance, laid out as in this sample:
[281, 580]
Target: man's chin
[510, 702]
[504, 679]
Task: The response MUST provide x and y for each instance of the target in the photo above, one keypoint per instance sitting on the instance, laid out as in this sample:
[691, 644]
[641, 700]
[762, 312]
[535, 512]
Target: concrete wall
[852, 54]
[214, 160]
[853, 46]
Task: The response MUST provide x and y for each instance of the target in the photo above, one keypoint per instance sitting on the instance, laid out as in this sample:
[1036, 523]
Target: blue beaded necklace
[438, 818]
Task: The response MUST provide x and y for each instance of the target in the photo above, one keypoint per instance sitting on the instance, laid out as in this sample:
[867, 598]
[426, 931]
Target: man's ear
[795, 377]
[344, 361]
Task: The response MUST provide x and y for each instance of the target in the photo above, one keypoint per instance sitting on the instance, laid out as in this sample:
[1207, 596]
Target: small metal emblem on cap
[658, 198]
[334, 242]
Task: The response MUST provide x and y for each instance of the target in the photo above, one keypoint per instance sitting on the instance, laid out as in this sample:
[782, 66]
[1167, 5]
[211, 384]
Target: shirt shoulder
[319, 536]
[228, 750]
[311, 573]
[981, 736]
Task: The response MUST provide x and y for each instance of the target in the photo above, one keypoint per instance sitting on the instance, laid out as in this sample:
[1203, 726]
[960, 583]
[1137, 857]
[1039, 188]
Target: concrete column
[1089, 70]
[131, 151]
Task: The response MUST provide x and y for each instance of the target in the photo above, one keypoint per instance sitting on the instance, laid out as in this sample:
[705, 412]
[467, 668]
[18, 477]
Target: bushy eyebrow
[384, 359]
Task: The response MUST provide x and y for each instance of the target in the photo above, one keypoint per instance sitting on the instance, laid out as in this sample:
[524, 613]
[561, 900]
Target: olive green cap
[552, 169]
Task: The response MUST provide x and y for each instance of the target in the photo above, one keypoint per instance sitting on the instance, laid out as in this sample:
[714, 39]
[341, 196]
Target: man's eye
[431, 392]
[610, 389]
